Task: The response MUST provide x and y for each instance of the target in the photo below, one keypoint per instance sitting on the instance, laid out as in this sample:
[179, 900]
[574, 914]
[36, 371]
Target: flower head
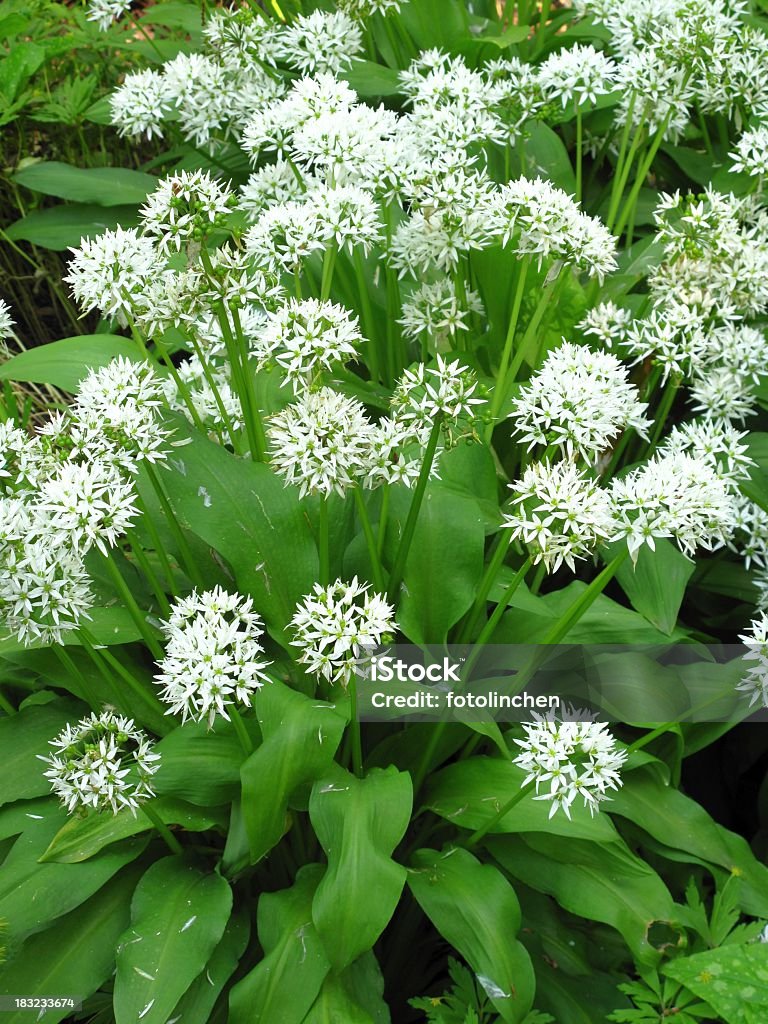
[102, 762]
[334, 625]
[214, 655]
[185, 208]
[106, 271]
[104, 12]
[425, 393]
[574, 758]
[140, 105]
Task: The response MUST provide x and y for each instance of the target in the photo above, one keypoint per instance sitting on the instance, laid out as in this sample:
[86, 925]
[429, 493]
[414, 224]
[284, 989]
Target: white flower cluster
[579, 401]
[574, 759]
[105, 12]
[335, 626]
[69, 489]
[214, 656]
[102, 763]
[754, 683]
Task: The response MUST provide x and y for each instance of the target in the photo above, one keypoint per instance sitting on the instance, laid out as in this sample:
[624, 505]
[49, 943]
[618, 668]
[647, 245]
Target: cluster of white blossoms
[572, 759]
[214, 656]
[105, 12]
[578, 402]
[337, 627]
[70, 488]
[754, 683]
[104, 762]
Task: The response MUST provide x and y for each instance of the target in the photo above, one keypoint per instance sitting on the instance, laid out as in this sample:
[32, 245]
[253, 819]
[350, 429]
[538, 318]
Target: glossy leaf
[104, 186]
[358, 823]
[23, 737]
[59, 227]
[475, 909]
[64, 363]
[178, 917]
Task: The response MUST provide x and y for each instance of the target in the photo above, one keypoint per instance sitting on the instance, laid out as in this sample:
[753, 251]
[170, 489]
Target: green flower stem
[645, 166]
[6, 705]
[297, 283]
[585, 600]
[243, 384]
[354, 727]
[142, 560]
[372, 348]
[185, 551]
[381, 529]
[329, 265]
[475, 838]
[137, 614]
[182, 389]
[242, 733]
[323, 542]
[250, 390]
[215, 392]
[489, 578]
[396, 576]
[159, 548]
[624, 161]
[662, 413]
[490, 626]
[649, 737]
[579, 151]
[530, 333]
[109, 667]
[370, 540]
[501, 377]
[72, 669]
[164, 832]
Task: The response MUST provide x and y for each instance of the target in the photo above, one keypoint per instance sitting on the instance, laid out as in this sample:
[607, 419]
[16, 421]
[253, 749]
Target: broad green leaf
[284, 985]
[76, 956]
[32, 894]
[82, 838]
[601, 882]
[178, 917]
[469, 472]
[65, 363]
[444, 566]
[18, 67]
[196, 1004]
[733, 980]
[65, 226]
[656, 583]
[173, 15]
[301, 737]
[369, 79]
[244, 511]
[358, 822]
[199, 764]
[469, 793]
[547, 157]
[696, 165]
[355, 996]
[103, 186]
[678, 822]
[23, 737]
[476, 911]
[435, 22]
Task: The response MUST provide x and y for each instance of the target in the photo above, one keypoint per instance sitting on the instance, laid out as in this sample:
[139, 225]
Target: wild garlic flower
[318, 42]
[185, 208]
[336, 626]
[561, 514]
[116, 414]
[755, 680]
[307, 339]
[579, 73]
[271, 185]
[436, 310]
[579, 401]
[21, 458]
[104, 762]
[141, 104]
[678, 496]
[655, 91]
[349, 146]
[425, 393]
[284, 236]
[107, 271]
[238, 33]
[89, 505]
[105, 12]
[394, 454]
[737, 346]
[723, 393]
[7, 323]
[607, 322]
[574, 759]
[367, 8]
[538, 219]
[320, 443]
[750, 155]
[716, 441]
[45, 591]
[347, 216]
[214, 655]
